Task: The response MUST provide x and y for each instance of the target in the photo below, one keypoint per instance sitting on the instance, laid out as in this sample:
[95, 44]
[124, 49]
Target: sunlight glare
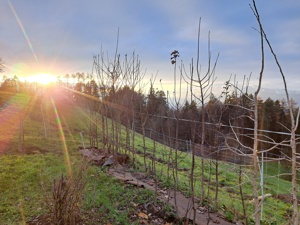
[42, 78]
[61, 131]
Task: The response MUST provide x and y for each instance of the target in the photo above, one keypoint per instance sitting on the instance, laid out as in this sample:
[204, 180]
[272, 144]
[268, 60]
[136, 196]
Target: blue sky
[61, 36]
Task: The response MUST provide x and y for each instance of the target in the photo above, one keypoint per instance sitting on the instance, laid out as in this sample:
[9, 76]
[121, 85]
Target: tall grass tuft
[63, 204]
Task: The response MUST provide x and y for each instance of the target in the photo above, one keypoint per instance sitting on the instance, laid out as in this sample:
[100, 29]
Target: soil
[141, 180]
[147, 213]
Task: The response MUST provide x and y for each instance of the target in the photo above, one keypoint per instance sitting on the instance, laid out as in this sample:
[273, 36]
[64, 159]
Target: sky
[62, 36]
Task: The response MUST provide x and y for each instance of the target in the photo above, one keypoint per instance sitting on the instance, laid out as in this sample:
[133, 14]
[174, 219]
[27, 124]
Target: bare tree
[98, 68]
[178, 100]
[215, 110]
[203, 85]
[293, 118]
[21, 132]
[109, 73]
[132, 76]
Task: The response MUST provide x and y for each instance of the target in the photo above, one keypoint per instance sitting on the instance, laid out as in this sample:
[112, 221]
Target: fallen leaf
[143, 215]
[134, 204]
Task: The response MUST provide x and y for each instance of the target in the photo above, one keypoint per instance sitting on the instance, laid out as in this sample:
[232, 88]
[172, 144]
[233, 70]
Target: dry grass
[66, 198]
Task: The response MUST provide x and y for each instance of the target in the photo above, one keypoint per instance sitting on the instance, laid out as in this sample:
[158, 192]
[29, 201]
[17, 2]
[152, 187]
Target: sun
[42, 78]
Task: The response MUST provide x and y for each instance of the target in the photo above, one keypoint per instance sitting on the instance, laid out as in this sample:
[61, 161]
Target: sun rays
[15, 110]
[23, 30]
[61, 132]
[42, 78]
[10, 114]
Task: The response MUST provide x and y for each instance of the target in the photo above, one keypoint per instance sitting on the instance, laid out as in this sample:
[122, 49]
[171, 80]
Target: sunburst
[42, 78]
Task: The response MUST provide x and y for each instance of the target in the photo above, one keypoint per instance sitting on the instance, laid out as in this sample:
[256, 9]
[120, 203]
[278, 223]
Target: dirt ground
[141, 180]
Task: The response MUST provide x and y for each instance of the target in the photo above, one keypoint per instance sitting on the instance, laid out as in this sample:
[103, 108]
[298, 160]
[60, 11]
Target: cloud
[66, 34]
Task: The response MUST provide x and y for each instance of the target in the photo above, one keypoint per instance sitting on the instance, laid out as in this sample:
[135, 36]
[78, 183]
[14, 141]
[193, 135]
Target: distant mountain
[279, 94]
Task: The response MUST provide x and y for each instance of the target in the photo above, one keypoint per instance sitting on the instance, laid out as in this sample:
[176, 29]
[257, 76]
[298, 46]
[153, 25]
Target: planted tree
[294, 119]
[201, 86]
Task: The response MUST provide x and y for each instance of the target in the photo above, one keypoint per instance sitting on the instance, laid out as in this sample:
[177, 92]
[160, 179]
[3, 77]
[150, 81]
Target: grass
[114, 204]
[230, 203]
[22, 198]
[229, 197]
[45, 159]
[20, 180]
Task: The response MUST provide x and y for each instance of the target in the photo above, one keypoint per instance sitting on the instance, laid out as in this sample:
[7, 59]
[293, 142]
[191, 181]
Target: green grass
[20, 178]
[21, 196]
[229, 195]
[112, 201]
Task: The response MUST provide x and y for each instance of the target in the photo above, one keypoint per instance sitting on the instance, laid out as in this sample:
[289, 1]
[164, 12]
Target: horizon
[61, 37]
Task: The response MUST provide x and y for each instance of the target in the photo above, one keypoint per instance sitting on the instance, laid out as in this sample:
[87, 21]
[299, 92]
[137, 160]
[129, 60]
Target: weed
[263, 222]
[65, 201]
[229, 216]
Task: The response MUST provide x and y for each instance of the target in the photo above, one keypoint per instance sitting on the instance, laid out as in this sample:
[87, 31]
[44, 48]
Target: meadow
[51, 124]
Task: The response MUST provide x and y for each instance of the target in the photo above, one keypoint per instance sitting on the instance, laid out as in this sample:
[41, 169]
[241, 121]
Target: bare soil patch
[141, 180]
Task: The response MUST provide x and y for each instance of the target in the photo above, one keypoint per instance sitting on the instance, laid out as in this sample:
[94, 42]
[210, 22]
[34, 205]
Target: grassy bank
[52, 126]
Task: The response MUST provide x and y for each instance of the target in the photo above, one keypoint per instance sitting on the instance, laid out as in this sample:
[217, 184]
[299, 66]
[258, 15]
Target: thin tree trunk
[192, 179]
[202, 155]
[242, 195]
[294, 177]
[294, 124]
[256, 119]
[217, 183]
[44, 123]
[21, 134]
[144, 146]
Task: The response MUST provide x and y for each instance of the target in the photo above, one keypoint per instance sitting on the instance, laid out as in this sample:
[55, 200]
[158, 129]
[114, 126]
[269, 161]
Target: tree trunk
[21, 134]
[294, 177]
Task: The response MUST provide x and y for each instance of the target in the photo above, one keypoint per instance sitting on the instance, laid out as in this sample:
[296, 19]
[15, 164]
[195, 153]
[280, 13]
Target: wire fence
[274, 168]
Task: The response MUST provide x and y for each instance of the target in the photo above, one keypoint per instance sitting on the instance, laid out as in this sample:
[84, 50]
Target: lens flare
[23, 29]
[58, 121]
[18, 68]
[41, 78]
[9, 120]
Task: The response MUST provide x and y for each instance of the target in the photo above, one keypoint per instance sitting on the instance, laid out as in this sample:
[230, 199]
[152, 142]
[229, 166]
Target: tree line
[219, 114]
